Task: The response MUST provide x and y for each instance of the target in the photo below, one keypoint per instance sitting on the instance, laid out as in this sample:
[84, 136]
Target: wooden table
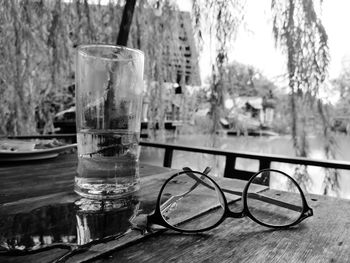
[37, 198]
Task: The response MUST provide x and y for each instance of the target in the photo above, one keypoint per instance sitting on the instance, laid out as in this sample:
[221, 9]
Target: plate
[38, 154]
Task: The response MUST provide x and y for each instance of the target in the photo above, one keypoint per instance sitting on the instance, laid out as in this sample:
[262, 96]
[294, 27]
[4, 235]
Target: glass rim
[83, 50]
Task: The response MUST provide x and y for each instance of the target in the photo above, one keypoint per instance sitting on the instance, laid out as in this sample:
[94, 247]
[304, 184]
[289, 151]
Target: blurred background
[263, 76]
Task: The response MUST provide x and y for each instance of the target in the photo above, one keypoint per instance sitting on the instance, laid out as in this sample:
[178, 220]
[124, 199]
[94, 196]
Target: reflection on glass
[38, 227]
[77, 222]
[98, 219]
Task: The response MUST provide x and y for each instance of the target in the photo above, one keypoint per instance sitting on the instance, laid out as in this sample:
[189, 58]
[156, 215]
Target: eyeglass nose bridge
[232, 214]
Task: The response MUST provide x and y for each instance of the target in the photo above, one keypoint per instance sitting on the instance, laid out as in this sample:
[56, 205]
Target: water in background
[280, 145]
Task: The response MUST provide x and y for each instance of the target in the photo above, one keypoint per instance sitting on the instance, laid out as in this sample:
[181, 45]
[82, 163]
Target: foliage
[243, 80]
[281, 123]
[38, 40]
[300, 32]
[342, 85]
[156, 31]
[220, 20]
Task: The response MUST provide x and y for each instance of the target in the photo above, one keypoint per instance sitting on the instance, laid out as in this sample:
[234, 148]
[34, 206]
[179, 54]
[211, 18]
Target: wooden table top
[37, 203]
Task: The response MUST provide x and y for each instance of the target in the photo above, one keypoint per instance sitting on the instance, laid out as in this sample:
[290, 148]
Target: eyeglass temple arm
[251, 195]
[176, 198]
[274, 202]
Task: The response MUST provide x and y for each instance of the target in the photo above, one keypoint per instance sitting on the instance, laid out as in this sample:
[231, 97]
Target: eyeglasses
[191, 201]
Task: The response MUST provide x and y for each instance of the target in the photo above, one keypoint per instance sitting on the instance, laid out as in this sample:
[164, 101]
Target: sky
[255, 44]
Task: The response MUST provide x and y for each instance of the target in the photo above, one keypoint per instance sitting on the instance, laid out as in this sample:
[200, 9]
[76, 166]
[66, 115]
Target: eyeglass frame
[157, 218]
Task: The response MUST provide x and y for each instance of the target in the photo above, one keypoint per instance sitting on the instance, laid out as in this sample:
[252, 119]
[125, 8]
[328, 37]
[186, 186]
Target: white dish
[38, 154]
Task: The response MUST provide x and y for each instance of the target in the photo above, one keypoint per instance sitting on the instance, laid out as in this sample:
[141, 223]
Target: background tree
[342, 86]
[245, 80]
[220, 20]
[157, 31]
[38, 40]
[299, 31]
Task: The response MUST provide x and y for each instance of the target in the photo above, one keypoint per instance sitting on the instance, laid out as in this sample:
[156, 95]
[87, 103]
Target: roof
[255, 102]
[202, 112]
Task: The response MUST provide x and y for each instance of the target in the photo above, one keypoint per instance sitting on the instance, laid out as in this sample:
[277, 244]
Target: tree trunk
[125, 25]
[123, 35]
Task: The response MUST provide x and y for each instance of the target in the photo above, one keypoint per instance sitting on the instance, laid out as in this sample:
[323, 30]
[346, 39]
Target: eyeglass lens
[187, 195]
[279, 205]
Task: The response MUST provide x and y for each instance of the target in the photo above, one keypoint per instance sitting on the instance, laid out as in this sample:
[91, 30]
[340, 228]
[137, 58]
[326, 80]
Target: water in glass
[108, 163]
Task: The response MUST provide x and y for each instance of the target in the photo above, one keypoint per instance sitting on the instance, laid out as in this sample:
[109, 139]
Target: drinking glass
[109, 86]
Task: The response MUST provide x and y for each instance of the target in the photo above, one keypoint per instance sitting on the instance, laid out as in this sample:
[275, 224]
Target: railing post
[168, 157]
[264, 164]
[230, 165]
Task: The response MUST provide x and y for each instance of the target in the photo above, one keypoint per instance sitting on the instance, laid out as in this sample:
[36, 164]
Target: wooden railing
[69, 136]
[230, 170]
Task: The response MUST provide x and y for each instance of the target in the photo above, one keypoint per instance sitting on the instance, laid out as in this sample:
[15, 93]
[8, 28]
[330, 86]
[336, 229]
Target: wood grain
[33, 183]
[325, 237]
[24, 180]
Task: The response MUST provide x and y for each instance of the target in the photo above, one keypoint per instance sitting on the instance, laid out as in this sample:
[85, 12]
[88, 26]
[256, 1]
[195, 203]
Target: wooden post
[168, 157]
[230, 166]
[265, 164]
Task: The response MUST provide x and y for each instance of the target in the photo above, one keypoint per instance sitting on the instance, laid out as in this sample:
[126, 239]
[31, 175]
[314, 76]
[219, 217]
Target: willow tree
[38, 40]
[220, 21]
[156, 30]
[16, 92]
[299, 31]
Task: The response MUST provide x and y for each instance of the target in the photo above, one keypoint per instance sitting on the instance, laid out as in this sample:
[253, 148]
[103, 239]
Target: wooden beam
[335, 164]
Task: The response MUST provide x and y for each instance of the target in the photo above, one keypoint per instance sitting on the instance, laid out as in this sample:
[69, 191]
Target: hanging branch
[300, 33]
[56, 28]
[18, 84]
[331, 179]
[90, 28]
[78, 24]
[52, 40]
[220, 20]
[158, 32]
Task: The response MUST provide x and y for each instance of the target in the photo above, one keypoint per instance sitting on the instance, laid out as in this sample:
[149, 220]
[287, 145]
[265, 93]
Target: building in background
[180, 57]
